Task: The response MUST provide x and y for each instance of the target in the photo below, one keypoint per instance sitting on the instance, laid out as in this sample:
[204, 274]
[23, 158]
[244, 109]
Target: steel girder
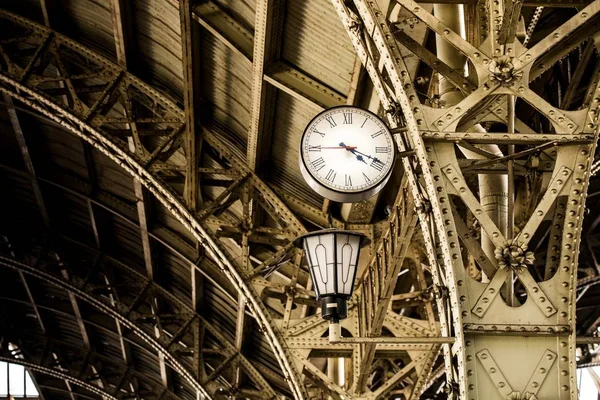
[370, 315]
[98, 94]
[96, 113]
[185, 338]
[501, 350]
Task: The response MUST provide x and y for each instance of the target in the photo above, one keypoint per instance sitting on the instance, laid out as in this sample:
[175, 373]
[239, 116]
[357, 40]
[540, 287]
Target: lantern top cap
[364, 242]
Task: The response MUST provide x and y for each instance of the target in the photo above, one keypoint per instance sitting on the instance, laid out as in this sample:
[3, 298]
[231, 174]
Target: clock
[347, 154]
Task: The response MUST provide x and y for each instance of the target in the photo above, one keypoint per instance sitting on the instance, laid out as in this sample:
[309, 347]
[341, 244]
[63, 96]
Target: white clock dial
[346, 151]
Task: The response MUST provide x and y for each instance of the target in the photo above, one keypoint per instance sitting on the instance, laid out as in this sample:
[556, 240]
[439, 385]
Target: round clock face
[347, 154]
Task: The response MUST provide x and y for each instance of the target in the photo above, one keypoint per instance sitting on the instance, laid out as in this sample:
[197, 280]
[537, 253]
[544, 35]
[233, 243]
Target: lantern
[332, 256]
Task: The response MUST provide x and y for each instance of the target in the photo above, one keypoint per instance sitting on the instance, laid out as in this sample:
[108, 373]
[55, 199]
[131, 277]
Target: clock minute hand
[352, 149]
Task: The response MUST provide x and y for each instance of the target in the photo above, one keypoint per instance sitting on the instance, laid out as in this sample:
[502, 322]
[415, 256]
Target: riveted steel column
[492, 188]
[501, 351]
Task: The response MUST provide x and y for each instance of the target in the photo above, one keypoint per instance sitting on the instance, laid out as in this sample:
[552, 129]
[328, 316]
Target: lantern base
[334, 308]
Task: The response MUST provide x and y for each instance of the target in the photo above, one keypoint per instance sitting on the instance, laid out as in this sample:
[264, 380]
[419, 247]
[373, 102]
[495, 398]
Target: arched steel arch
[66, 366]
[145, 290]
[60, 375]
[146, 164]
[501, 350]
[128, 315]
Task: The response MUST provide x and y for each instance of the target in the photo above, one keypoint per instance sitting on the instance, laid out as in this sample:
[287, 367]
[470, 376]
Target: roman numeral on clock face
[331, 175]
[382, 149]
[318, 164]
[378, 165]
[348, 180]
[314, 148]
[366, 178]
[331, 121]
[347, 118]
[374, 135]
[320, 133]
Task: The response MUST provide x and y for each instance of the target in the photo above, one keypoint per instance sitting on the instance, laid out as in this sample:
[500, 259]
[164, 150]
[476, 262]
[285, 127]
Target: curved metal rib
[93, 122]
[60, 375]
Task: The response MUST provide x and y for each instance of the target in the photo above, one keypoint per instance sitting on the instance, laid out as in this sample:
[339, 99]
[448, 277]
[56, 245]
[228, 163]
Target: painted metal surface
[500, 349]
[109, 108]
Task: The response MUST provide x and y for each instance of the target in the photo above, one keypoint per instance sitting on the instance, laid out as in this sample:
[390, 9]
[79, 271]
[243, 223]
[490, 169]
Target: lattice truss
[547, 160]
[458, 287]
[245, 230]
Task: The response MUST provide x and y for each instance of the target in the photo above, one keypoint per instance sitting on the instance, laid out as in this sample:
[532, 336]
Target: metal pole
[451, 15]
[587, 340]
[335, 371]
[399, 340]
[510, 217]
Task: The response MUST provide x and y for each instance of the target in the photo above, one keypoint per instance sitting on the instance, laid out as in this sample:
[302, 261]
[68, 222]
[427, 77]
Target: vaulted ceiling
[151, 191]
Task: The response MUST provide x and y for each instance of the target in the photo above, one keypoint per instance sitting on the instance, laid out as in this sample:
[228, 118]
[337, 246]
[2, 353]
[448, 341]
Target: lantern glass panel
[320, 254]
[348, 249]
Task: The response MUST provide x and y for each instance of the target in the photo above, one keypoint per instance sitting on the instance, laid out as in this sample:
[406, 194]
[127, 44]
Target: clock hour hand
[366, 155]
[352, 149]
[359, 155]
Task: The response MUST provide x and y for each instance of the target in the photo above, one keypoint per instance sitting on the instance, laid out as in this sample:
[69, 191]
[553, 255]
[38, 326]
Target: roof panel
[86, 21]
[174, 274]
[50, 145]
[291, 116]
[226, 85]
[112, 178]
[122, 241]
[28, 8]
[317, 43]
[9, 148]
[158, 40]
[69, 215]
[20, 205]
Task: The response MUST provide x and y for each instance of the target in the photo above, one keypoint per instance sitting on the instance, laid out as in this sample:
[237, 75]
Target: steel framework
[84, 368]
[186, 340]
[102, 123]
[105, 105]
[492, 334]
[473, 293]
